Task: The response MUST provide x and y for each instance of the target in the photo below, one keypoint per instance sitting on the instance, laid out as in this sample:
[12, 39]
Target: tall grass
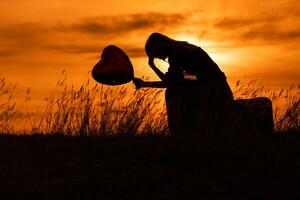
[8, 106]
[286, 102]
[94, 109]
[100, 110]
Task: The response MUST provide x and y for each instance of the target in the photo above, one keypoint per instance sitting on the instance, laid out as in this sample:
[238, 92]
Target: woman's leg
[178, 111]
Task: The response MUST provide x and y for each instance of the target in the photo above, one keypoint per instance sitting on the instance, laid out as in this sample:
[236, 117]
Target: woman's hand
[138, 83]
[151, 63]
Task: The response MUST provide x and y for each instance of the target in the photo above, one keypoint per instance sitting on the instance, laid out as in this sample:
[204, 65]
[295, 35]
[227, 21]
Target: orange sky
[256, 39]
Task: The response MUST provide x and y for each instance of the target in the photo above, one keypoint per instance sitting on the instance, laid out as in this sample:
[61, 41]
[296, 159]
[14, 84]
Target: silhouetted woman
[190, 103]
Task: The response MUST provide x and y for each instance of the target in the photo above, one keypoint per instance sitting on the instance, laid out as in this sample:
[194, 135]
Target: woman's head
[158, 46]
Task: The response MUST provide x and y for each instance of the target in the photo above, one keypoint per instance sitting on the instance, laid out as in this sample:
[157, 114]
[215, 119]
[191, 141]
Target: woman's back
[194, 61]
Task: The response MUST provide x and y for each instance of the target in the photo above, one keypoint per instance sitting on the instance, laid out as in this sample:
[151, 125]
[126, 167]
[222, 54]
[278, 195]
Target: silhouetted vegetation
[99, 110]
[8, 107]
[94, 109]
[109, 163]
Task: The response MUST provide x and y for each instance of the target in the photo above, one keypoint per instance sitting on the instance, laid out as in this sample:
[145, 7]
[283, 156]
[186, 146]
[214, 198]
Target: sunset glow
[253, 39]
[208, 46]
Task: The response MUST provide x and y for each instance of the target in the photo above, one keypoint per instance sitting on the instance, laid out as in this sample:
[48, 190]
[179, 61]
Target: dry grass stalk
[100, 110]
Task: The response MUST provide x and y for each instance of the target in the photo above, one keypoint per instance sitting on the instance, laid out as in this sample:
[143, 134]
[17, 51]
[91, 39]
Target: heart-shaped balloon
[114, 67]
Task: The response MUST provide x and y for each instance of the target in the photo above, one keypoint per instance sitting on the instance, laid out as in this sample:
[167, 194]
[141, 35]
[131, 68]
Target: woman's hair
[157, 41]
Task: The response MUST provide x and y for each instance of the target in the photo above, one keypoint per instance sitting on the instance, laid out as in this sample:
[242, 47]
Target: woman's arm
[161, 75]
[139, 83]
[155, 84]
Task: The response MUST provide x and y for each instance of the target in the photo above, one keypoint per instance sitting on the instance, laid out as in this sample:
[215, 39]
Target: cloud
[22, 38]
[86, 35]
[7, 53]
[259, 30]
[270, 36]
[131, 51]
[22, 32]
[233, 22]
[127, 23]
[90, 35]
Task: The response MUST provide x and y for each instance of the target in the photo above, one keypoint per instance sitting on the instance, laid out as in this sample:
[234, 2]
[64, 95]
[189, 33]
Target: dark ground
[148, 167]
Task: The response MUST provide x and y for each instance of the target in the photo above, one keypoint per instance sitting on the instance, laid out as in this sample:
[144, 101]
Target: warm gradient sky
[254, 38]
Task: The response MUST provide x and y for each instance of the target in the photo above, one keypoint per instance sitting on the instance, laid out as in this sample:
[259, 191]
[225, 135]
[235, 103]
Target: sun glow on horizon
[208, 45]
[38, 40]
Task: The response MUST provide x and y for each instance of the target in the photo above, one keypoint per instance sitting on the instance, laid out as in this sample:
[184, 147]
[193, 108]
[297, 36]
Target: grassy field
[146, 167]
[95, 109]
[101, 143]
